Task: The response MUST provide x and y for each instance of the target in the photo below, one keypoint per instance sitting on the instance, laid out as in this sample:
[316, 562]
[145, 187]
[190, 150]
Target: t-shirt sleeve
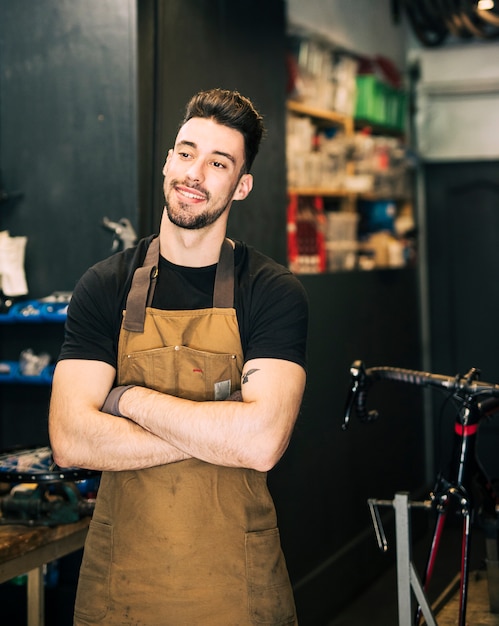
[96, 307]
[279, 318]
[92, 325]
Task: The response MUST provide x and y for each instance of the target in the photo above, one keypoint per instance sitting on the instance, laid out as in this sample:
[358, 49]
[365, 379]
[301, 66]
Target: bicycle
[467, 485]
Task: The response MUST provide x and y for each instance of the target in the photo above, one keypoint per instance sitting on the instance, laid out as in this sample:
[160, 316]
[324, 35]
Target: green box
[379, 103]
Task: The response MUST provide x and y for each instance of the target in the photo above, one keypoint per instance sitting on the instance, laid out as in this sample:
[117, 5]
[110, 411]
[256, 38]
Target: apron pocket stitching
[270, 598]
[92, 596]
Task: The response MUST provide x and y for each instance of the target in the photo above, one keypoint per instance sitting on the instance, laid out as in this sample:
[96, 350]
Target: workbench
[26, 549]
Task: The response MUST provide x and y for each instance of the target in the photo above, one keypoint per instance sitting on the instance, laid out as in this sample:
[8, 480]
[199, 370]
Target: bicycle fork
[442, 500]
[455, 491]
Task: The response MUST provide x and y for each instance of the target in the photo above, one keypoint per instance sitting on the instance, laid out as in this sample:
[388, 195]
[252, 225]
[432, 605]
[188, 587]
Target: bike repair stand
[407, 576]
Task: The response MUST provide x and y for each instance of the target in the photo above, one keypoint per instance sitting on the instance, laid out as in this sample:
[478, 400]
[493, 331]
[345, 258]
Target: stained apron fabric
[188, 543]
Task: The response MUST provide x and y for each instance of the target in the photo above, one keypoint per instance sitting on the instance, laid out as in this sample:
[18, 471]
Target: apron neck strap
[144, 280]
[142, 289]
[223, 293]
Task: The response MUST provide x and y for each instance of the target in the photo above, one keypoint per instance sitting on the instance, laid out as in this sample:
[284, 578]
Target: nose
[195, 171]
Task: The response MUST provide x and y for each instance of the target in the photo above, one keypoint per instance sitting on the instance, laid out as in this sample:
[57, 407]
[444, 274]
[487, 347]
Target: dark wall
[67, 131]
[68, 144]
[463, 227]
[200, 44]
[462, 202]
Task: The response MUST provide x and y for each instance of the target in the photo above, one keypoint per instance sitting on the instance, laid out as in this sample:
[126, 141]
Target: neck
[190, 248]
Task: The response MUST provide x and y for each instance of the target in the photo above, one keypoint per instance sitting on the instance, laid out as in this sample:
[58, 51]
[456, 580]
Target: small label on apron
[222, 390]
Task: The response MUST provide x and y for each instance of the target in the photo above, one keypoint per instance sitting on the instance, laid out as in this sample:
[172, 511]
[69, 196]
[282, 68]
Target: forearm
[83, 436]
[104, 442]
[253, 433]
[205, 430]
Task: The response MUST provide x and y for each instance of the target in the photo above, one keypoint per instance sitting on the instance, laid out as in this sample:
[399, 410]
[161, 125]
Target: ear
[168, 157]
[244, 186]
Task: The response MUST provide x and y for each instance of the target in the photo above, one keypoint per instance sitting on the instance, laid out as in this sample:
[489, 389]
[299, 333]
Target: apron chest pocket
[185, 372]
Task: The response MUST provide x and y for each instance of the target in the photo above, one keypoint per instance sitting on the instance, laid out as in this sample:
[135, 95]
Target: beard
[181, 213]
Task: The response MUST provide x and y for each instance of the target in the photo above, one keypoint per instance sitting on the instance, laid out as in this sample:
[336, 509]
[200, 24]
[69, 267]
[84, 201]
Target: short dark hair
[230, 108]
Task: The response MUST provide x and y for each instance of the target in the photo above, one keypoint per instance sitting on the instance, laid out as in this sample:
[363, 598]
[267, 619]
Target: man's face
[203, 173]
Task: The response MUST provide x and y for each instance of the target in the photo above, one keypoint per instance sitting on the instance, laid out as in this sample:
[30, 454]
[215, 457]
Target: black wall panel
[67, 131]
[463, 239]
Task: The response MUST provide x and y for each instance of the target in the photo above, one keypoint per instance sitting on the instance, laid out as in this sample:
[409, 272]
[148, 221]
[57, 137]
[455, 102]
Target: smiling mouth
[189, 193]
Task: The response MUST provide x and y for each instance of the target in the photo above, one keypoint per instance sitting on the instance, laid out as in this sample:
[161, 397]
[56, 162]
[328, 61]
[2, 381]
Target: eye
[219, 165]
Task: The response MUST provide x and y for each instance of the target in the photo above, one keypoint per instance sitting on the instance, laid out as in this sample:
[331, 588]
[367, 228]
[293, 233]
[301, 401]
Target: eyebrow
[227, 155]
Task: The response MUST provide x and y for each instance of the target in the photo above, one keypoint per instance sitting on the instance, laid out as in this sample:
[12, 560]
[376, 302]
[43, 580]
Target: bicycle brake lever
[356, 371]
[349, 405]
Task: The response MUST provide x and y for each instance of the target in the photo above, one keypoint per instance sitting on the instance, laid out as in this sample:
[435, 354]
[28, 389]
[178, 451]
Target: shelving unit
[24, 398]
[308, 251]
[32, 313]
[14, 375]
[322, 115]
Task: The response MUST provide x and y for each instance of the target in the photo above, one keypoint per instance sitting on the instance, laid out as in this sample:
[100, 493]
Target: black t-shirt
[271, 304]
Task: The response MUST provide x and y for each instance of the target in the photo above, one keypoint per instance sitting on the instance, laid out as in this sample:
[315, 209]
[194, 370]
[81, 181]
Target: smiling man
[186, 194]
[181, 377]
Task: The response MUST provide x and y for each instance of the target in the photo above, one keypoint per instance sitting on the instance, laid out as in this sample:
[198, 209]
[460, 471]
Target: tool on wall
[45, 505]
[124, 233]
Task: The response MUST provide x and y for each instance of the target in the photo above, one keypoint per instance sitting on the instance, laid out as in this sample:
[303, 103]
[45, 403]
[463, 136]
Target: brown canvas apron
[189, 543]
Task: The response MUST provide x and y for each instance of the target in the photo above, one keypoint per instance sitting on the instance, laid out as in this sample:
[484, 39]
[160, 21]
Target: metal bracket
[407, 577]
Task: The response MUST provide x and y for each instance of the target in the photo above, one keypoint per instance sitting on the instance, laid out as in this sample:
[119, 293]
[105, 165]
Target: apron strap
[142, 289]
[223, 293]
[144, 282]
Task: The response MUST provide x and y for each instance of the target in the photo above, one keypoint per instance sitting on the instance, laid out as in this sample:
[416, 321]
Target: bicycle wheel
[35, 464]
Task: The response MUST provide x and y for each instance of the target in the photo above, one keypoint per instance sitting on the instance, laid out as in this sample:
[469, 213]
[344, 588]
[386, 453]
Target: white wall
[363, 26]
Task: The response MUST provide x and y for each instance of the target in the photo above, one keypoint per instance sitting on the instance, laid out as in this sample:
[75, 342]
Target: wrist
[112, 402]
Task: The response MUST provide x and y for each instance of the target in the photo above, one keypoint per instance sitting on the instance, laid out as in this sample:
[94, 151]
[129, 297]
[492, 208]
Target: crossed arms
[163, 429]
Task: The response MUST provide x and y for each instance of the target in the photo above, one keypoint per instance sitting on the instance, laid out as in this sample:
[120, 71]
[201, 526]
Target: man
[181, 377]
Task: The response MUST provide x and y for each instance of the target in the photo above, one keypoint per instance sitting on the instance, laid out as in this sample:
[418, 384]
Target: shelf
[15, 376]
[320, 191]
[378, 129]
[35, 312]
[309, 229]
[339, 119]
[345, 193]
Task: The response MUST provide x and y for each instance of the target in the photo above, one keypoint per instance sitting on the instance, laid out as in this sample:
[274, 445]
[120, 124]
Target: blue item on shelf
[54, 311]
[35, 311]
[376, 216]
[10, 372]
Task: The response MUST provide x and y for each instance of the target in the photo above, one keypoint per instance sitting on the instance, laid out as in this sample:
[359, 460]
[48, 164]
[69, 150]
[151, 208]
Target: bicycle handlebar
[466, 388]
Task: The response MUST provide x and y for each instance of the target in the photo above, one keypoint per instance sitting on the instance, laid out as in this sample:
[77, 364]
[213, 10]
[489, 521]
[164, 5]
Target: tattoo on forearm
[245, 375]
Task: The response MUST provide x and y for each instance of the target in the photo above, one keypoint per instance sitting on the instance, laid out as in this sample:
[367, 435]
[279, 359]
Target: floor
[378, 605]
[477, 612]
